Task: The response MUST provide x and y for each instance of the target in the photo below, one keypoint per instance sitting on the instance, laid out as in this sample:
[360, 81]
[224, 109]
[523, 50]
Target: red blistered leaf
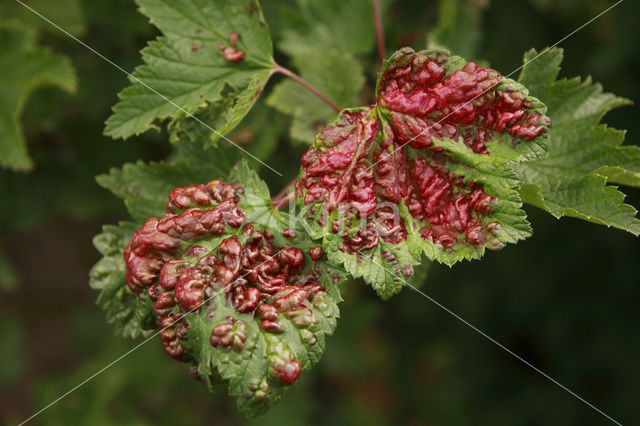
[368, 163]
[167, 260]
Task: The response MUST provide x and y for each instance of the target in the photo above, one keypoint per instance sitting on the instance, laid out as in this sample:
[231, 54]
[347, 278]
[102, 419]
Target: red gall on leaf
[170, 261]
[371, 161]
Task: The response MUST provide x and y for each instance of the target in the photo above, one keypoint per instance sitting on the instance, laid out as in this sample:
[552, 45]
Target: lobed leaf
[237, 294]
[196, 65]
[584, 155]
[427, 169]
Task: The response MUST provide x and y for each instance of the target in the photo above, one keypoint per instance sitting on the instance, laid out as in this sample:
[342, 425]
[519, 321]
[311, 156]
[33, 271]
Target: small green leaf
[186, 70]
[25, 68]
[584, 155]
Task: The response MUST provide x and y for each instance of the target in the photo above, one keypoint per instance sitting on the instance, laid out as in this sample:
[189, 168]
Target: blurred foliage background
[567, 299]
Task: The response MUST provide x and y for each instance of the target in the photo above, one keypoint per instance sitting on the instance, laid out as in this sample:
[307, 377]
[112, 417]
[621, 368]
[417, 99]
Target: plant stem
[283, 202]
[284, 71]
[283, 192]
[382, 51]
[283, 198]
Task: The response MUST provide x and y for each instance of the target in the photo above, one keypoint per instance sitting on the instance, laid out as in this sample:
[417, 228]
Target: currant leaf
[427, 169]
[584, 155]
[236, 294]
[195, 65]
[143, 188]
[25, 68]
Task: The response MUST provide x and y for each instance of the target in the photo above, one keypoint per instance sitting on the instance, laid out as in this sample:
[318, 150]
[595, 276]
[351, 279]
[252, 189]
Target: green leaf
[259, 363]
[248, 370]
[144, 187]
[129, 316]
[258, 135]
[186, 70]
[25, 68]
[584, 155]
[427, 170]
[330, 25]
[336, 74]
[459, 27]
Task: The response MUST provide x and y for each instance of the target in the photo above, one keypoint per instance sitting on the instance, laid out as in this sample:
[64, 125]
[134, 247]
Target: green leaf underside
[584, 155]
[339, 25]
[336, 74]
[493, 171]
[459, 27]
[248, 371]
[187, 68]
[323, 40]
[25, 68]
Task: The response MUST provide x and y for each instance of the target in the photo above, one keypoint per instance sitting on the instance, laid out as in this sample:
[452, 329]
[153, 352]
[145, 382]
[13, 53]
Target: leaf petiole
[284, 71]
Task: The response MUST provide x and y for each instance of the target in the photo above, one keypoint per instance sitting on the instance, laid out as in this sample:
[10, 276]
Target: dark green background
[567, 299]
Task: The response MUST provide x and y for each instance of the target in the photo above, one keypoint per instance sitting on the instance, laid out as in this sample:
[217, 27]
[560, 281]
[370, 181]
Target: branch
[382, 51]
[284, 71]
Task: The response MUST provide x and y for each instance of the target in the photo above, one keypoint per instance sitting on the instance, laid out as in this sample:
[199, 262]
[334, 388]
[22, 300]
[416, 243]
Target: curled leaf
[230, 298]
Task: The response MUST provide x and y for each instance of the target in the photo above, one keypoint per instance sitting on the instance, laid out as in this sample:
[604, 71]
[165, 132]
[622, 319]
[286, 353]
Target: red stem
[382, 51]
[281, 70]
[283, 192]
[283, 202]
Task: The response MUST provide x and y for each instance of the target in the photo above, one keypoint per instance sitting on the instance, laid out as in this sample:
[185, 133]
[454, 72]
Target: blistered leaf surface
[426, 169]
[233, 299]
